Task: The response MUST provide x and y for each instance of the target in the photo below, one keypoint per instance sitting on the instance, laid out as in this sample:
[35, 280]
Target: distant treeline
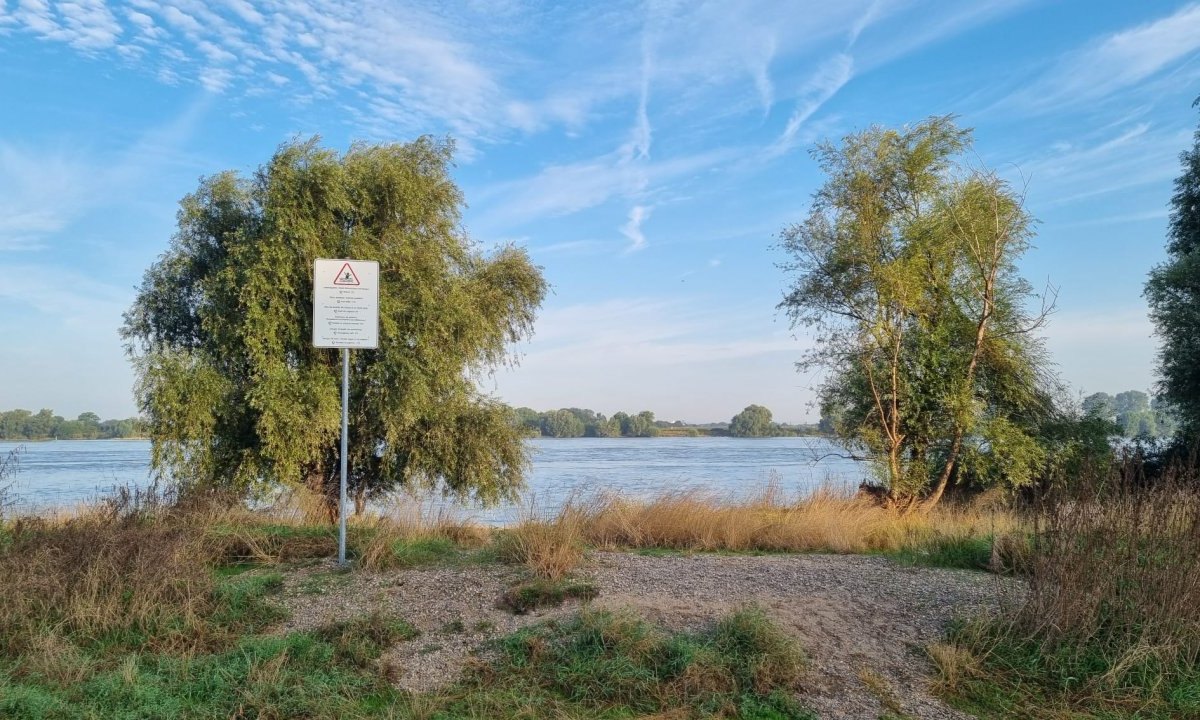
[45, 425]
[754, 421]
[1134, 413]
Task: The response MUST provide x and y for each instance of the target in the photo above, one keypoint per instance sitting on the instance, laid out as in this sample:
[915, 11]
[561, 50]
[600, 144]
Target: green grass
[430, 551]
[1022, 678]
[597, 665]
[128, 674]
[299, 675]
[604, 665]
[540, 592]
[358, 641]
[942, 551]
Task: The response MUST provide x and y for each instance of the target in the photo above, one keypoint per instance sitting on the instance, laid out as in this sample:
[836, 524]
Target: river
[65, 472]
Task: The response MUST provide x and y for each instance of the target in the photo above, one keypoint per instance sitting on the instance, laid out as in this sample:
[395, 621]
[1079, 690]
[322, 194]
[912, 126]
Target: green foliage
[906, 268]
[581, 422]
[1173, 291]
[44, 425]
[562, 424]
[360, 640]
[754, 421]
[1134, 413]
[235, 394]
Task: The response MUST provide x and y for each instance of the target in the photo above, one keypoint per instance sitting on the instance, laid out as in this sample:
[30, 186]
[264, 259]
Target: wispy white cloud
[1113, 62]
[632, 229]
[760, 71]
[829, 77]
[87, 25]
[1126, 157]
[1118, 219]
[863, 21]
[568, 247]
[69, 296]
[911, 26]
[44, 189]
[39, 190]
[563, 189]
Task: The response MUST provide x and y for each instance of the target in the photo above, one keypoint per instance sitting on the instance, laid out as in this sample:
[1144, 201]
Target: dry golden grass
[98, 573]
[293, 527]
[549, 548]
[954, 664]
[825, 521]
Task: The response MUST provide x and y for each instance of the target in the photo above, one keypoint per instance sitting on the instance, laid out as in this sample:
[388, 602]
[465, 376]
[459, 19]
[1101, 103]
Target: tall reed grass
[1112, 613]
[825, 521]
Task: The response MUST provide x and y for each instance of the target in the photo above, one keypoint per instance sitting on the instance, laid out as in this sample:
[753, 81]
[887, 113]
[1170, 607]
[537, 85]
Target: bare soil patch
[863, 621]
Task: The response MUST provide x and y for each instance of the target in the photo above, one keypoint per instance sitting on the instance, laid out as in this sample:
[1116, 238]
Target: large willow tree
[906, 269]
[221, 330]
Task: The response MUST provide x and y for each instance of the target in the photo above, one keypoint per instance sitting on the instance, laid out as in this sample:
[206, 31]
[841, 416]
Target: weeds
[1111, 619]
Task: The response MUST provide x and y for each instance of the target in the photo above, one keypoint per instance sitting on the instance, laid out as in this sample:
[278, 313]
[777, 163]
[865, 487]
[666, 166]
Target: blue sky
[647, 154]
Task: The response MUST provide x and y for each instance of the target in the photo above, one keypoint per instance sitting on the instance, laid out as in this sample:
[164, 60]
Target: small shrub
[1012, 554]
[954, 664]
[93, 576]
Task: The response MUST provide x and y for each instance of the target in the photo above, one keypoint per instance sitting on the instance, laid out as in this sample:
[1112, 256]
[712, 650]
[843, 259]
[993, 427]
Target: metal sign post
[346, 316]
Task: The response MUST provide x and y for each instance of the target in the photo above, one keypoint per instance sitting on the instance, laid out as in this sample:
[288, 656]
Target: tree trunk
[360, 500]
[320, 486]
[944, 479]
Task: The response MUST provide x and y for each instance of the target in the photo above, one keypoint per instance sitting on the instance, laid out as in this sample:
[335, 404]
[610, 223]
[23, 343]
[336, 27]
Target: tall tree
[1173, 291]
[754, 421]
[905, 268]
[235, 395]
[1100, 405]
[562, 424]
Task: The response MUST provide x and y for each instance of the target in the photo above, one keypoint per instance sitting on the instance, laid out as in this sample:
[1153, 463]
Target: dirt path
[863, 621]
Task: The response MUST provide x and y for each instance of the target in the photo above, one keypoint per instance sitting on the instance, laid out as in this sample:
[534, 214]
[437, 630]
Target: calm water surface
[65, 472]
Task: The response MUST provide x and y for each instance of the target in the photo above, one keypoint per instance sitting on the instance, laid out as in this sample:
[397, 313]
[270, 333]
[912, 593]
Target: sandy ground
[864, 621]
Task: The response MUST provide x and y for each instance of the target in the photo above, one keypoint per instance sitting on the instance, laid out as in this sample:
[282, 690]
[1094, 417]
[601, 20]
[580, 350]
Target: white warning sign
[345, 303]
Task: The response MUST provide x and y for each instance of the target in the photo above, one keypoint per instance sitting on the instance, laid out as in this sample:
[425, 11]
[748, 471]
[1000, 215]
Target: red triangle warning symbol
[346, 276]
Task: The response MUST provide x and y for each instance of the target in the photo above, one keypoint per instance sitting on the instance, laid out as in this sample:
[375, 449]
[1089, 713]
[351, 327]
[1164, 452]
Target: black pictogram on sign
[346, 276]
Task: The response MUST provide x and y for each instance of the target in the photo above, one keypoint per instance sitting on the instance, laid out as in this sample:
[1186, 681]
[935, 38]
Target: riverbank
[674, 607]
[136, 607]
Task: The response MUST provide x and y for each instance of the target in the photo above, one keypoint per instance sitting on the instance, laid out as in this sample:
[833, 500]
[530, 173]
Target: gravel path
[863, 621]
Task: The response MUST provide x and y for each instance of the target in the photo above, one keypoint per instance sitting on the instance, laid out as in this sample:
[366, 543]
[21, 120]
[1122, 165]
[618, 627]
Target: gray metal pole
[345, 443]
